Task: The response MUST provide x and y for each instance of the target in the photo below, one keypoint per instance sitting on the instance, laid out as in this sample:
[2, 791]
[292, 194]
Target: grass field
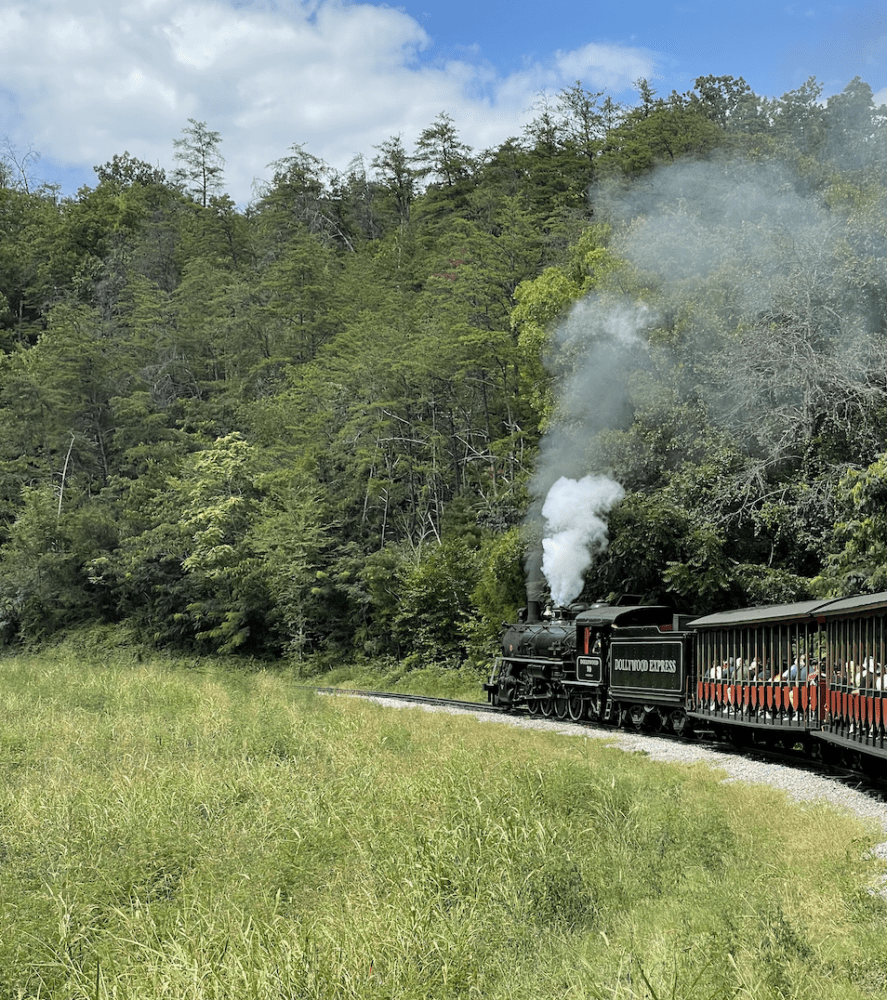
[176, 832]
[465, 684]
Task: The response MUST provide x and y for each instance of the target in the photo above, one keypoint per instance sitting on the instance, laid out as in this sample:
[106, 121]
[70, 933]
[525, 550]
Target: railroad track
[419, 699]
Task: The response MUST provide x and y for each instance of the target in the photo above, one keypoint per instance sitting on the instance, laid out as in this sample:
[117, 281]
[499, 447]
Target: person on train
[794, 672]
[864, 677]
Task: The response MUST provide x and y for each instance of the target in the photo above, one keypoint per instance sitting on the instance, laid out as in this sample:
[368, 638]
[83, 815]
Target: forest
[322, 425]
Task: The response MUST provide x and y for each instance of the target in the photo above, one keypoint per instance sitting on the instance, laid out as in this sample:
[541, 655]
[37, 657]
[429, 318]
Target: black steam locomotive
[812, 673]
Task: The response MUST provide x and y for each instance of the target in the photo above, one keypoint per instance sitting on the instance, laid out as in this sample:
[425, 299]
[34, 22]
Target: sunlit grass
[465, 683]
[182, 832]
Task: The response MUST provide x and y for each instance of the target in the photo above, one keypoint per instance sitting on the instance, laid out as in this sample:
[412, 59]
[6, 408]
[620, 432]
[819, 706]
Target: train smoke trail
[775, 294]
[576, 531]
[592, 353]
[769, 328]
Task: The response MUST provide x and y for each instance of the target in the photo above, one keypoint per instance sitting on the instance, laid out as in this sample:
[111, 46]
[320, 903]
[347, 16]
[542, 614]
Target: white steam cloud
[592, 353]
[575, 531]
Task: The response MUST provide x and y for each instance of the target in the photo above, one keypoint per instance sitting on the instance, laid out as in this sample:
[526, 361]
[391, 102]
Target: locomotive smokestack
[535, 585]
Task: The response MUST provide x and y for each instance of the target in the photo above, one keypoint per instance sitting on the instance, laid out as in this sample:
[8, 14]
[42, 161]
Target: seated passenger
[791, 673]
[864, 677]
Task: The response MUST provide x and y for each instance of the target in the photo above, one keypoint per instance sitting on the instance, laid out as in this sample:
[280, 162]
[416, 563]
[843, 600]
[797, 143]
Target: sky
[83, 80]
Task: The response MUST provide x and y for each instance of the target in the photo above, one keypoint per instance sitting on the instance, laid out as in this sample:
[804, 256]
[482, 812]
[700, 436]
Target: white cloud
[86, 80]
[608, 67]
[880, 97]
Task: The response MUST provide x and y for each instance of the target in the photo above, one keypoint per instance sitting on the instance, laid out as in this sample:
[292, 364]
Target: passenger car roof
[860, 604]
[762, 615]
[832, 608]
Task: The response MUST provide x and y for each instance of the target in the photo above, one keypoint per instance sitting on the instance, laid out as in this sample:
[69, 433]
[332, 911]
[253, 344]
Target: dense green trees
[310, 426]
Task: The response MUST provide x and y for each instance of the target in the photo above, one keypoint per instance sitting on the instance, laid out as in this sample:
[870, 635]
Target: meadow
[173, 829]
[464, 684]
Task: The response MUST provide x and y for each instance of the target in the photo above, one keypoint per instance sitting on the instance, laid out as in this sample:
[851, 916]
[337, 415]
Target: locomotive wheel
[575, 706]
[533, 706]
[561, 706]
[546, 705]
[636, 713]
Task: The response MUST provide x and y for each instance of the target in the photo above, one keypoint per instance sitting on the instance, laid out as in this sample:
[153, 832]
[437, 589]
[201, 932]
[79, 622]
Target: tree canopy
[320, 425]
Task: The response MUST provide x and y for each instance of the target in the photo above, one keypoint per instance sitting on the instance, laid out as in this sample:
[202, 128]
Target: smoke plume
[575, 531]
[775, 292]
[767, 334]
[592, 353]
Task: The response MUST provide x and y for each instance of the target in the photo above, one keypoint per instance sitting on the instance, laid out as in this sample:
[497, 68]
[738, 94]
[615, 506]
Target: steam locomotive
[811, 673]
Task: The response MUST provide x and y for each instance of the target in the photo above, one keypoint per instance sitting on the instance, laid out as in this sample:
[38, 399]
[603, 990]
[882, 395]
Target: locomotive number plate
[588, 669]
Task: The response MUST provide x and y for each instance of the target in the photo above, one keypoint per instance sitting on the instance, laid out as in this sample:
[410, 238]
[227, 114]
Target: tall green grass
[464, 683]
[177, 832]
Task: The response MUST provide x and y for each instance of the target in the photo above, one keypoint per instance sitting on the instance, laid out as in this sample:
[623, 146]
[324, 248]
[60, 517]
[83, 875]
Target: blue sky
[81, 80]
[775, 46]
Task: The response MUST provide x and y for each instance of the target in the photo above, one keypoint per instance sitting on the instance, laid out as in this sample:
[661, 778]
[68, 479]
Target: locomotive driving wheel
[575, 706]
[546, 706]
[561, 704]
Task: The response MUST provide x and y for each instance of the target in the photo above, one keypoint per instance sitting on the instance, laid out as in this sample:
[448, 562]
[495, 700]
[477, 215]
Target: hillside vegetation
[307, 427]
[171, 830]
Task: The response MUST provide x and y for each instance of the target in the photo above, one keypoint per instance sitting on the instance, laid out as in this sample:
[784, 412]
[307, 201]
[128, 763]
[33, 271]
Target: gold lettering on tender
[640, 666]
